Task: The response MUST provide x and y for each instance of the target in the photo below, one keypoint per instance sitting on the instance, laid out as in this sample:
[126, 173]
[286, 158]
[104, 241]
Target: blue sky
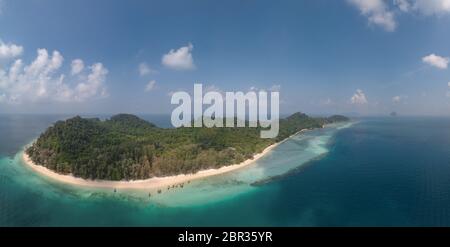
[365, 56]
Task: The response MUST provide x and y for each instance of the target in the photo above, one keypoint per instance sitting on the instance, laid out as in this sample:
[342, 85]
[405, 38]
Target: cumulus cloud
[425, 7]
[432, 7]
[150, 86]
[403, 5]
[93, 86]
[180, 59]
[144, 69]
[8, 51]
[41, 81]
[383, 12]
[399, 98]
[359, 98]
[377, 13]
[77, 66]
[436, 61]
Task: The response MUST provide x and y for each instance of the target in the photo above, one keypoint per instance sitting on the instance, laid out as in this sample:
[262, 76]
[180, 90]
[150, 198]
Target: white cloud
[425, 7]
[448, 84]
[432, 7]
[150, 86]
[41, 81]
[77, 66]
[377, 13]
[144, 69]
[275, 88]
[397, 99]
[359, 98]
[8, 51]
[381, 13]
[180, 59]
[436, 61]
[93, 86]
[403, 5]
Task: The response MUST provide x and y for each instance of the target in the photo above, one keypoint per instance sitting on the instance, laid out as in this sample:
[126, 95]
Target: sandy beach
[152, 184]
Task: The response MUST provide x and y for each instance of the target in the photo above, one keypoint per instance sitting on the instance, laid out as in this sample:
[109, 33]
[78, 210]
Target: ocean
[371, 172]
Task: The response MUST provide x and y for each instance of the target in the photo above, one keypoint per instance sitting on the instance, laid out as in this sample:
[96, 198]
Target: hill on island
[126, 147]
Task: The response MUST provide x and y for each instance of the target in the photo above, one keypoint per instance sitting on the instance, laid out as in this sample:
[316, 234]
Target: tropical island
[127, 148]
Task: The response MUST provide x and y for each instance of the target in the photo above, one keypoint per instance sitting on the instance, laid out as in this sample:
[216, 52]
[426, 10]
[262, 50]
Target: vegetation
[126, 147]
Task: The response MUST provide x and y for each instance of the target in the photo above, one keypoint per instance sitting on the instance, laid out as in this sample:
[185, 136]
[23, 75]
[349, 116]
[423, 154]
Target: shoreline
[153, 184]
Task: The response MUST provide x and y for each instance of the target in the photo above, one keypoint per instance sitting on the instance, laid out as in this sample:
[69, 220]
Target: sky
[369, 57]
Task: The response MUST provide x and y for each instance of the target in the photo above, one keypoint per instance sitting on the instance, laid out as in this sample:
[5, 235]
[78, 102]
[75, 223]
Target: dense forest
[126, 147]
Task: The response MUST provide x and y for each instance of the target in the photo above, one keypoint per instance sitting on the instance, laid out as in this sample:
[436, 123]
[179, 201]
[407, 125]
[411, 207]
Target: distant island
[125, 147]
[393, 114]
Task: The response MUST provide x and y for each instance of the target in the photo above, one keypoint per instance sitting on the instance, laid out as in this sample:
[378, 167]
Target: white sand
[152, 184]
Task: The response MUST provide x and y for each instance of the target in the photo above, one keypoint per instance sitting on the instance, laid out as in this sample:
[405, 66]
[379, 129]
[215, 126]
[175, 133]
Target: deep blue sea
[372, 172]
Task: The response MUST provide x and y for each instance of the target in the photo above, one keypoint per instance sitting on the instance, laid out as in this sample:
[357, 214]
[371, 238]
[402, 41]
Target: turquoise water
[374, 172]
